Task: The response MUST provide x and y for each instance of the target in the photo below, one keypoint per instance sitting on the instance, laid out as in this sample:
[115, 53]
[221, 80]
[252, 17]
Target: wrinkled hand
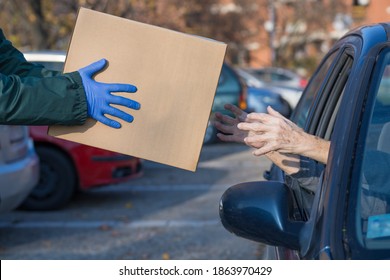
[228, 125]
[272, 132]
[99, 97]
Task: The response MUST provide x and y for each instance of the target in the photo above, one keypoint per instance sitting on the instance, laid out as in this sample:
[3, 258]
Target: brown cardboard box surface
[176, 75]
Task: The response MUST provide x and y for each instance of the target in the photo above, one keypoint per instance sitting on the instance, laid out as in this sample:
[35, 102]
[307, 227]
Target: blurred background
[291, 34]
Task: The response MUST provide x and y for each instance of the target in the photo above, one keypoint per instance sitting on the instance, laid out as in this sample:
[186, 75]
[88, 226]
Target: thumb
[94, 67]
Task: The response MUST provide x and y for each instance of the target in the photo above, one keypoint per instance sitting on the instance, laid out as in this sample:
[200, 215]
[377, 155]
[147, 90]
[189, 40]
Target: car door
[334, 232]
[367, 221]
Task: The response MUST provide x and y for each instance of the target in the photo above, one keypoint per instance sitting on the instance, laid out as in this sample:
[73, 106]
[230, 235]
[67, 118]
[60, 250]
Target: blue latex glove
[99, 96]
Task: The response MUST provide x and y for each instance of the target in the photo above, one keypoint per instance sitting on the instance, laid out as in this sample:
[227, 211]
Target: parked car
[345, 214]
[279, 76]
[278, 80]
[231, 89]
[260, 96]
[19, 166]
[65, 166]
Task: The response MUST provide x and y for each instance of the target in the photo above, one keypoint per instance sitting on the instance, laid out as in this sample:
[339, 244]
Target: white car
[19, 166]
[53, 60]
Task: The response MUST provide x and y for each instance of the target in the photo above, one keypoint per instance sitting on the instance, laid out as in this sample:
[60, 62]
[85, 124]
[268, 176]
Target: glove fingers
[119, 100]
[104, 120]
[119, 114]
[120, 88]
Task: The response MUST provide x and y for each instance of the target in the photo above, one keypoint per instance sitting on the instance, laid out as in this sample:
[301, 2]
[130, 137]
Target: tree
[304, 25]
[35, 24]
[48, 24]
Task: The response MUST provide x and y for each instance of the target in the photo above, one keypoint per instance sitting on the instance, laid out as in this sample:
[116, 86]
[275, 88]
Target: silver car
[19, 166]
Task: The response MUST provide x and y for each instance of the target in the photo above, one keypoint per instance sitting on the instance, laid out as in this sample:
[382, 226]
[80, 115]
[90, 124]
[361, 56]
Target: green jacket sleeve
[32, 95]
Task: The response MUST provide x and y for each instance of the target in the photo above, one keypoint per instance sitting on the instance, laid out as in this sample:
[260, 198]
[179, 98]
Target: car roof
[371, 34]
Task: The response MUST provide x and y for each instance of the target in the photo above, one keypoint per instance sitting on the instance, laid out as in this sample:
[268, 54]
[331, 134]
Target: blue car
[261, 95]
[343, 210]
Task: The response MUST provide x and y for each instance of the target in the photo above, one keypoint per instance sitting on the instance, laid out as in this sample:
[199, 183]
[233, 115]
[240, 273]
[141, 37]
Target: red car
[68, 166]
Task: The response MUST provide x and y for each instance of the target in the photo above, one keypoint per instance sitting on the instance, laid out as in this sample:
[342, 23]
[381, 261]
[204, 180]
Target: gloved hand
[99, 97]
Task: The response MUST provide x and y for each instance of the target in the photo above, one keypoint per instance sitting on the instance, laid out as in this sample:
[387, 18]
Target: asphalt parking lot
[168, 213]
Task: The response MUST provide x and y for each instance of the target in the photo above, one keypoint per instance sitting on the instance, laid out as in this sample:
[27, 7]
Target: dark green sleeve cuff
[79, 92]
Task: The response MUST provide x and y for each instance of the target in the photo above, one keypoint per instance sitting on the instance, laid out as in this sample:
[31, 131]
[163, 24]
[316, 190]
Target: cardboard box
[176, 75]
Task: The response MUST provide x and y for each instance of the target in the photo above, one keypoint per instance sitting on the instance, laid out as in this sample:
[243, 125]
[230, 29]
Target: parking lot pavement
[166, 214]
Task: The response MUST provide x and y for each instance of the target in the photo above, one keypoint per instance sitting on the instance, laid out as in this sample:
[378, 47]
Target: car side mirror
[261, 211]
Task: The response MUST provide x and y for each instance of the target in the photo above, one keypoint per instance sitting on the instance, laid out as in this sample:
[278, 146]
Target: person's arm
[314, 147]
[33, 95]
[37, 101]
[273, 132]
[26, 98]
[65, 99]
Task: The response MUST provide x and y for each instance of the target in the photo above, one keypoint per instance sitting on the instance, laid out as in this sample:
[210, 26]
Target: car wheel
[56, 182]
[210, 135]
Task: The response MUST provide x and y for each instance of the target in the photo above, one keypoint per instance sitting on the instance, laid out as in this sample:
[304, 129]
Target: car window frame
[302, 113]
[320, 124]
[320, 108]
[333, 88]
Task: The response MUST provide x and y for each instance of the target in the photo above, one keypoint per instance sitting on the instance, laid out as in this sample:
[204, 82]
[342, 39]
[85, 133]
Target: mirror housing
[261, 211]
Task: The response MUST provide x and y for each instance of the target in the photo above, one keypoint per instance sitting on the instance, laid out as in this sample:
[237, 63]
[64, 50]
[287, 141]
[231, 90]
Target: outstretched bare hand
[227, 125]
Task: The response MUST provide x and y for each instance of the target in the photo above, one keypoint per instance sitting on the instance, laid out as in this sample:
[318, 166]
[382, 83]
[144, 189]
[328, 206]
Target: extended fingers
[267, 122]
[240, 114]
[271, 118]
[119, 100]
[111, 123]
[262, 151]
[226, 119]
[255, 141]
[112, 111]
[120, 87]
[253, 126]
[229, 129]
[281, 119]
[118, 113]
[228, 137]
[262, 144]
[258, 117]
